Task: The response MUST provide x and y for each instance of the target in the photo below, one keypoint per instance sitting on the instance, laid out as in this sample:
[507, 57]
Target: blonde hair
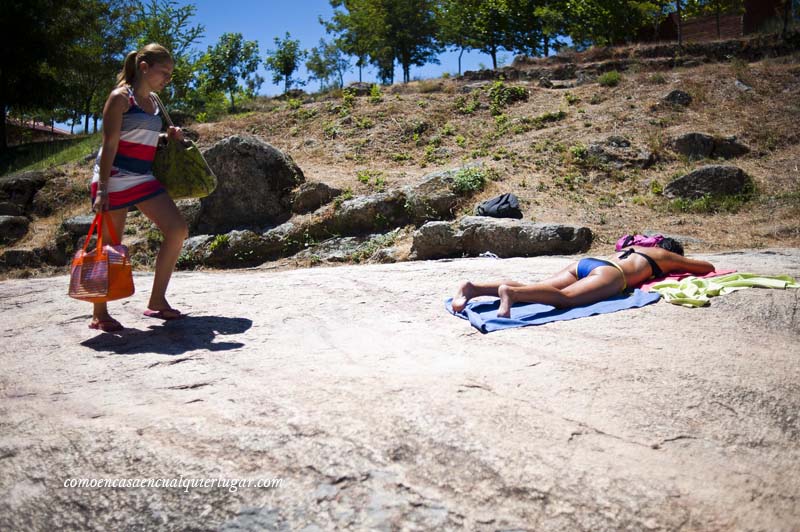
[151, 54]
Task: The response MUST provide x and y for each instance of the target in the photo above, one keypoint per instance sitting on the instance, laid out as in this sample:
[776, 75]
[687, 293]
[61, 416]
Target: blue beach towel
[482, 314]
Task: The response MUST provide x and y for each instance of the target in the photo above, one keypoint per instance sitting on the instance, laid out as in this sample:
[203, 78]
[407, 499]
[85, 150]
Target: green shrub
[220, 241]
[364, 123]
[306, 114]
[469, 180]
[467, 106]
[571, 98]
[375, 94]
[502, 95]
[656, 187]
[329, 130]
[609, 79]
[709, 204]
[293, 103]
[346, 194]
[375, 179]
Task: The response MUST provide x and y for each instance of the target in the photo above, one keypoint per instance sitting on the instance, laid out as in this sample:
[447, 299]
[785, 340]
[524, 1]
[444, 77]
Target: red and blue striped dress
[132, 179]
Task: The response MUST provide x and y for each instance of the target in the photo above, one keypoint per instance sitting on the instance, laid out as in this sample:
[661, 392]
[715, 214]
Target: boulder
[617, 152]
[712, 180]
[77, 226]
[235, 249]
[255, 184]
[191, 210]
[360, 88]
[19, 258]
[476, 86]
[693, 145]
[432, 198]
[20, 189]
[12, 228]
[8, 208]
[503, 237]
[702, 145]
[435, 240]
[58, 191]
[311, 196]
[366, 214]
[678, 97]
[506, 237]
[729, 147]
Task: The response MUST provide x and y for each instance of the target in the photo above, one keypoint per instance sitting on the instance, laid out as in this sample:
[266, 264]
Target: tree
[456, 27]
[32, 61]
[284, 60]
[326, 62]
[552, 23]
[410, 27]
[355, 29]
[492, 23]
[97, 55]
[232, 59]
[385, 31]
[607, 22]
[169, 24]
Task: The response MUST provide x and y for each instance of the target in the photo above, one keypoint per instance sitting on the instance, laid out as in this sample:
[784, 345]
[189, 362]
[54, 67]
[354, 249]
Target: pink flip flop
[164, 314]
[111, 325]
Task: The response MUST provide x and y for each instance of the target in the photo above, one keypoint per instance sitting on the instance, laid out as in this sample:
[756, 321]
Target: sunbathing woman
[588, 280]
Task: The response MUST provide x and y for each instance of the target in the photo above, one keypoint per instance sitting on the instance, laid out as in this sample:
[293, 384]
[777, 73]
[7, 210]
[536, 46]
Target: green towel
[694, 292]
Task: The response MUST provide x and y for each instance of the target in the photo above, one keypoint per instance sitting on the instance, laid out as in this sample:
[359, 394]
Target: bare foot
[465, 292]
[504, 310]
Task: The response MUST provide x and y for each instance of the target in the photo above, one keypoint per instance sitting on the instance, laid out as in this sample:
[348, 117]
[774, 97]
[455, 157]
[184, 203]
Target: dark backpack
[502, 206]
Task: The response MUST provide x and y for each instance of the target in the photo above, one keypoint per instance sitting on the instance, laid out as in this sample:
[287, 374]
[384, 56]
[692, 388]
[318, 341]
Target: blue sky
[263, 20]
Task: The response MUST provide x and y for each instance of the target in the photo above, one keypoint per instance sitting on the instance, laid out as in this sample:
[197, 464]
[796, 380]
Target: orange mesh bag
[103, 274]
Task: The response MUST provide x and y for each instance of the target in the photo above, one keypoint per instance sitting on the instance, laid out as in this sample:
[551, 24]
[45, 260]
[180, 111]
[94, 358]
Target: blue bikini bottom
[586, 266]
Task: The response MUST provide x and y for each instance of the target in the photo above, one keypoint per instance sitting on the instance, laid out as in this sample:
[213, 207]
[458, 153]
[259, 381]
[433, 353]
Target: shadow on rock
[173, 337]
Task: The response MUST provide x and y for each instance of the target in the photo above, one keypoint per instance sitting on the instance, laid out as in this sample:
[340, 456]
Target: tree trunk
[233, 105]
[787, 12]
[545, 45]
[459, 60]
[3, 139]
[493, 53]
[86, 114]
[719, 32]
[95, 123]
[680, 36]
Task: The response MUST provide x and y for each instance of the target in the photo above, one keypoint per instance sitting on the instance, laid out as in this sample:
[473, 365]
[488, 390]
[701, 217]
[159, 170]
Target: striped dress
[132, 179]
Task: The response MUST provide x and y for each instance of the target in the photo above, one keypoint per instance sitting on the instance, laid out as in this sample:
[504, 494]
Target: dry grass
[415, 130]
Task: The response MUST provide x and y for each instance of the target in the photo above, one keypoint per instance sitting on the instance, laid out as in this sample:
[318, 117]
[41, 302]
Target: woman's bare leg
[116, 217]
[603, 282]
[163, 212]
[468, 290]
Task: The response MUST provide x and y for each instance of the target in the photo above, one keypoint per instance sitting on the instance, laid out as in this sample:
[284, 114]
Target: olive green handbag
[180, 166]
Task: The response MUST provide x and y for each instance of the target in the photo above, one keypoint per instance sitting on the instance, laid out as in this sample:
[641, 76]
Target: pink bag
[638, 240]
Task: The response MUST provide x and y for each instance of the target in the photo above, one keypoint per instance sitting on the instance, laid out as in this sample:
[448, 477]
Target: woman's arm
[115, 106]
[679, 263]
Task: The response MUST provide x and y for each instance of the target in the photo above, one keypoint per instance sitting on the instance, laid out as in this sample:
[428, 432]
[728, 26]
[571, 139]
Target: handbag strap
[163, 109]
[97, 223]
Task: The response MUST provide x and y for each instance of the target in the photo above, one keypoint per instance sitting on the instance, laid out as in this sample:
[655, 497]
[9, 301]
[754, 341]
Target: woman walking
[123, 171]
